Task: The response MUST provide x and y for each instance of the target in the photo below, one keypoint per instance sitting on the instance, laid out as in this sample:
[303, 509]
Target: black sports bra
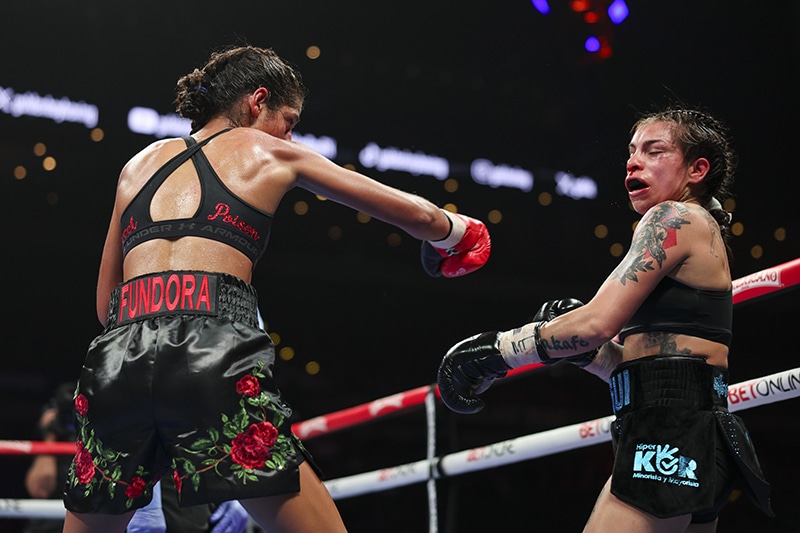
[221, 215]
[677, 308]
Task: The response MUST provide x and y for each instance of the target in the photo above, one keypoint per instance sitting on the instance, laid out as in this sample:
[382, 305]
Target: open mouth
[634, 184]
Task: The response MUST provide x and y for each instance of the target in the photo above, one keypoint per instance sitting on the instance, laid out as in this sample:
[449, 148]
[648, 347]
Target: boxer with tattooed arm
[658, 330]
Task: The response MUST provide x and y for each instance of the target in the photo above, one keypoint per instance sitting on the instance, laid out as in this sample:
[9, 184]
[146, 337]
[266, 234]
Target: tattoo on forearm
[573, 343]
[666, 344]
[657, 233]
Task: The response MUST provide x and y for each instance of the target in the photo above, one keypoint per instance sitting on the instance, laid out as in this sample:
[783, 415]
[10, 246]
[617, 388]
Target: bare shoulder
[674, 222]
[707, 266]
[151, 154]
[261, 148]
[689, 220]
[669, 212]
[141, 166]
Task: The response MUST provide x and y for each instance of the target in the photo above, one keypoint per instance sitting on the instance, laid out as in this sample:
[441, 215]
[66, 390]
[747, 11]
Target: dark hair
[698, 134]
[232, 73]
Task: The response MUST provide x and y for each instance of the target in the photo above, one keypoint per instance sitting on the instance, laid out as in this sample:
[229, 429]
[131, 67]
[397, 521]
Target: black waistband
[668, 380]
[181, 293]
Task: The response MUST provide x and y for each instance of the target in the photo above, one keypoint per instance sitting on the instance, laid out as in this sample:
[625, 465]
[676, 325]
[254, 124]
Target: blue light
[618, 11]
[592, 44]
[541, 6]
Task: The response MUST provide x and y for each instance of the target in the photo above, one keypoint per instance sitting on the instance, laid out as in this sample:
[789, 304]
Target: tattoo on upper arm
[666, 344]
[654, 235]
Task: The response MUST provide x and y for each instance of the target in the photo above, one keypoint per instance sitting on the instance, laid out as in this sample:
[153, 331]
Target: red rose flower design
[84, 465]
[81, 404]
[249, 386]
[266, 432]
[177, 479]
[251, 448]
[136, 488]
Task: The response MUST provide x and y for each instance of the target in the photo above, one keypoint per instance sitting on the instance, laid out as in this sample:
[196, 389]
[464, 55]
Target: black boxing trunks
[678, 449]
[180, 384]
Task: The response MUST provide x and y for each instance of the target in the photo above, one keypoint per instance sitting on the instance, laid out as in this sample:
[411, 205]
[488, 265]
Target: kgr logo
[664, 459]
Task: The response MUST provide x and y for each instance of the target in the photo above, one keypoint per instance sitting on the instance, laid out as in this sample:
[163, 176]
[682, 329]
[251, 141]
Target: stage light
[334, 233]
[541, 6]
[451, 185]
[618, 11]
[313, 52]
[545, 199]
[601, 231]
[394, 240]
[312, 368]
[286, 353]
[579, 6]
[300, 208]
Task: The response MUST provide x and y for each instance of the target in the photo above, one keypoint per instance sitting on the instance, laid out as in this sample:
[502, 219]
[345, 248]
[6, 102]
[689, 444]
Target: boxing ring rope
[751, 393]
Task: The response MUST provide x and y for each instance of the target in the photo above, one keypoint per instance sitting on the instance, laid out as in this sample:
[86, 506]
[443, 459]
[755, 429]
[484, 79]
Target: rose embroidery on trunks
[248, 442]
[95, 465]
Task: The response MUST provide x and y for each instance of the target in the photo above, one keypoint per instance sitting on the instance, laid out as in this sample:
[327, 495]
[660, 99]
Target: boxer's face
[279, 123]
[655, 171]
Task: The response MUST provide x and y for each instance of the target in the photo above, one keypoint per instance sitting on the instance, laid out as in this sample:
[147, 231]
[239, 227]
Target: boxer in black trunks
[179, 382]
[658, 330]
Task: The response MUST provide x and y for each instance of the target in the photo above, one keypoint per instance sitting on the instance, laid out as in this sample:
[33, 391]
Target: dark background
[497, 80]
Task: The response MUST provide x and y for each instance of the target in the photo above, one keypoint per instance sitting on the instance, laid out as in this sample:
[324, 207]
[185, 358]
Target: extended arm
[575, 333]
[454, 244]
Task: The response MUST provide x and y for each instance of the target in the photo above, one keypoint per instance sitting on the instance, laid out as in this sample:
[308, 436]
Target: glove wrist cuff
[521, 346]
[457, 230]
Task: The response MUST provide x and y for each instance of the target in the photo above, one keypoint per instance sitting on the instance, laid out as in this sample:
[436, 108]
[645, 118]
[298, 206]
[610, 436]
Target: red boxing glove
[464, 250]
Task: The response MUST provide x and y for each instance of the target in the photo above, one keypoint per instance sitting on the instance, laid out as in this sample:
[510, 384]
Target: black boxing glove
[468, 369]
[548, 311]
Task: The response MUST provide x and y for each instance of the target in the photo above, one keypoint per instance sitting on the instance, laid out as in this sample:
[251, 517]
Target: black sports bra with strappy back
[221, 215]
